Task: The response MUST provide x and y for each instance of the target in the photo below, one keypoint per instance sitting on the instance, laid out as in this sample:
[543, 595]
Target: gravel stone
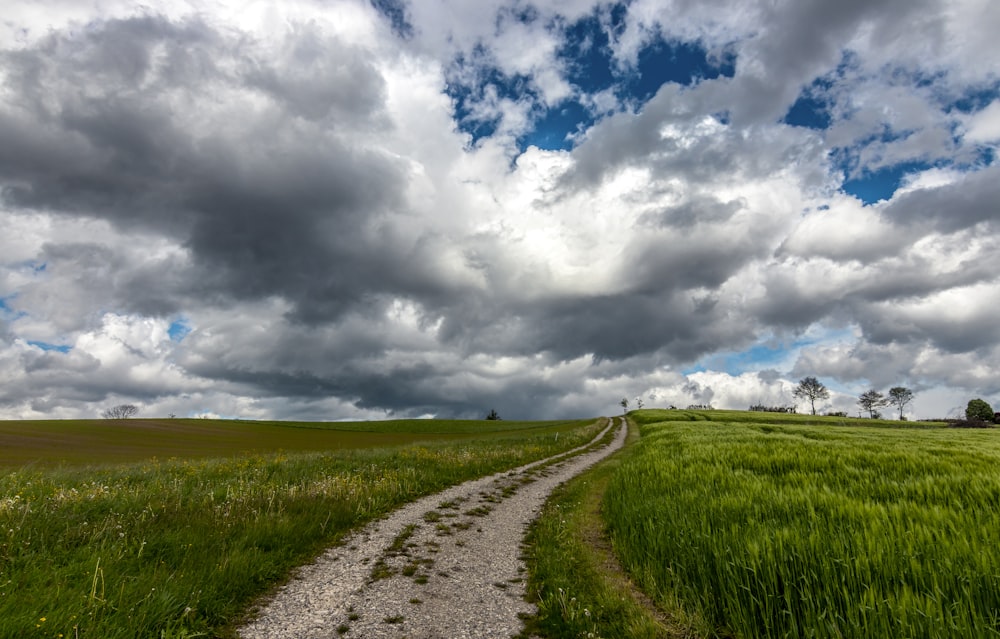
[457, 573]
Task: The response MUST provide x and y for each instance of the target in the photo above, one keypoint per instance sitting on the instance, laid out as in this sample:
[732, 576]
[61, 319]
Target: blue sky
[361, 209]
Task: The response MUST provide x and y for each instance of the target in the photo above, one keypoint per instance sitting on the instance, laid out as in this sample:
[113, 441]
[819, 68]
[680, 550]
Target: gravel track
[444, 566]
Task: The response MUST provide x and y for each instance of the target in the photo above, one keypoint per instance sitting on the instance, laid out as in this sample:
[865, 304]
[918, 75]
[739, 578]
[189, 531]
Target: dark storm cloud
[972, 200]
[676, 325]
[258, 167]
[700, 209]
[319, 78]
[87, 127]
[937, 326]
[311, 364]
[307, 205]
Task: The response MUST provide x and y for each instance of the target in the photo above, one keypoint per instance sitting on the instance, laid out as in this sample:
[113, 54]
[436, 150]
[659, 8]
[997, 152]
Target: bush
[979, 410]
[969, 423]
[761, 408]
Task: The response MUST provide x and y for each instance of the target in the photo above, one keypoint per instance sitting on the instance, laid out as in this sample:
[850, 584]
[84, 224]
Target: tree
[624, 405]
[638, 403]
[811, 389]
[900, 396]
[121, 411]
[493, 415]
[978, 410]
[871, 401]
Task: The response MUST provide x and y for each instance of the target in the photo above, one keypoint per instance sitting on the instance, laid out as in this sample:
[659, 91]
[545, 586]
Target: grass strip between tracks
[575, 580]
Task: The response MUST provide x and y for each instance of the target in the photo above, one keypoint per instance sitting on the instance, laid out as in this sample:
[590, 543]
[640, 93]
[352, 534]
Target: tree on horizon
[811, 389]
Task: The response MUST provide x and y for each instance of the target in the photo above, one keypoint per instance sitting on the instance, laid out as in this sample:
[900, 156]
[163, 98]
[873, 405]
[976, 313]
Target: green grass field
[100, 441]
[180, 548]
[763, 525]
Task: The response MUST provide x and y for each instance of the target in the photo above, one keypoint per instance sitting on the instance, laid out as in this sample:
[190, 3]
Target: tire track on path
[444, 566]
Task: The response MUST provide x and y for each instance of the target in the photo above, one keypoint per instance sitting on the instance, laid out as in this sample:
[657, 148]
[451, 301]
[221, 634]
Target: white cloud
[291, 178]
[984, 125]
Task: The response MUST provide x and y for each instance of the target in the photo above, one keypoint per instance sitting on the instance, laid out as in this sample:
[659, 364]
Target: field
[763, 525]
[181, 547]
[101, 441]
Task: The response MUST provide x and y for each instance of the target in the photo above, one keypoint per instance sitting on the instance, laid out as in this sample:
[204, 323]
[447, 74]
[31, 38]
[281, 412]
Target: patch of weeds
[353, 616]
[342, 629]
[410, 569]
[462, 525]
[421, 579]
[443, 529]
[399, 543]
[451, 504]
[416, 602]
[381, 570]
[478, 511]
[432, 516]
[394, 619]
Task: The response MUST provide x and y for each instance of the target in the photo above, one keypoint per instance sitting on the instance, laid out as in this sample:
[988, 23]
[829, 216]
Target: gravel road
[446, 566]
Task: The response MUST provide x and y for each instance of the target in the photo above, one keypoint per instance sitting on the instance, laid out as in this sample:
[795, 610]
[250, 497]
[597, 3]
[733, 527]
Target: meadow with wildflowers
[182, 547]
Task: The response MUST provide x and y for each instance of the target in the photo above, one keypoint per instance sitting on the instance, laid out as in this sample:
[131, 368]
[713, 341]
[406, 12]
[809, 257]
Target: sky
[351, 209]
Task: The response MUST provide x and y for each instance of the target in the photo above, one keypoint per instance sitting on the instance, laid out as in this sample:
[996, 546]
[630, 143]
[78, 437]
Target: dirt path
[445, 566]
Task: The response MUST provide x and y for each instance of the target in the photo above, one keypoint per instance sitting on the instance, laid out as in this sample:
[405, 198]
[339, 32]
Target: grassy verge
[798, 529]
[574, 577]
[181, 548]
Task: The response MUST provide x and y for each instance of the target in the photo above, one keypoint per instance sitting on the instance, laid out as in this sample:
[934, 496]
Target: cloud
[355, 209]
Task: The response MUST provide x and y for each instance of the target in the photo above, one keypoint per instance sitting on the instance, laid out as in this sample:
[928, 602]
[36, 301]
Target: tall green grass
[798, 530]
[573, 577]
[181, 548]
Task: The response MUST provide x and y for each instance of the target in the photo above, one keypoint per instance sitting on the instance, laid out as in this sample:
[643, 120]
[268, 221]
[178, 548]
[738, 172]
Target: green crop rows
[812, 529]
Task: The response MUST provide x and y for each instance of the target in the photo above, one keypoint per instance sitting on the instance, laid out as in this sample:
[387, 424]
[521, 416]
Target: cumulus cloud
[332, 210]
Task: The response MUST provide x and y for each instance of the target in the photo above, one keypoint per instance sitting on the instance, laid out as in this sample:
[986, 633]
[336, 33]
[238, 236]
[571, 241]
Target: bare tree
[493, 415]
[811, 389]
[121, 411]
[871, 401]
[624, 405]
[638, 403]
[900, 396]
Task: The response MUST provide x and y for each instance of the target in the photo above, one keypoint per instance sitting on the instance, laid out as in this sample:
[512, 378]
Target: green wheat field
[788, 526]
[736, 524]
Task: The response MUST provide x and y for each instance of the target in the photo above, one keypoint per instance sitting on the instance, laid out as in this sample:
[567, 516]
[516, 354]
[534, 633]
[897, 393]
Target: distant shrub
[836, 413]
[761, 408]
[979, 410]
[969, 423]
[700, 407]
